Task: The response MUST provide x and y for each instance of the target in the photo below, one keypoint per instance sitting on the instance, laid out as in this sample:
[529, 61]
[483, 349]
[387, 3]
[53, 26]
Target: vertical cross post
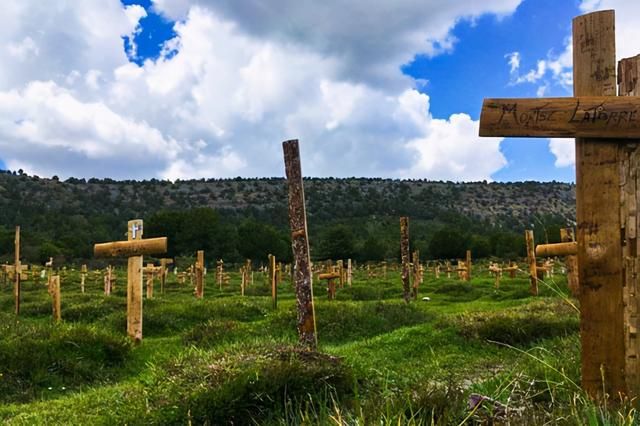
[134, 284]
[272, 280]
[83, 277]
[300, 246]
[531, 259]
[467, 263]
[404, 254]
[55, 297]
[200, 274]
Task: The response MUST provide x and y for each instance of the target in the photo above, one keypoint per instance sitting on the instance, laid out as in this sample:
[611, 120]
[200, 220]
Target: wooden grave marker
[164, 272]
[134, 249]
[199, 273]
[607, 130]
[300, 245]
[271, 271]
[17, 269]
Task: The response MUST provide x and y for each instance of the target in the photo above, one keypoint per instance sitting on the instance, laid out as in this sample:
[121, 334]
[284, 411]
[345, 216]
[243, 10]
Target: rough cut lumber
[131, 248]
[300, 246]
[134, 283]
[584, 117]
[467, 264]
[200, 274]
[558, 249]
[598, 186]
[629, 166]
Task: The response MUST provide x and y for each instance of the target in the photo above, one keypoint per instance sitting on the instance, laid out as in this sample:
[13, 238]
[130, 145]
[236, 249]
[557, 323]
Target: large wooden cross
[607, 132]
[134, 248]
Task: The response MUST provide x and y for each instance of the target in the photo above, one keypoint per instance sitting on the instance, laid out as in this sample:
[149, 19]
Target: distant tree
[373, 249]
[257, 240]
[337, 242]
[448, 243]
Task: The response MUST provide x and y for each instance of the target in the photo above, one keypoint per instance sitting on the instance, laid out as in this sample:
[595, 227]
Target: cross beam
[586, 117]
[607, 175]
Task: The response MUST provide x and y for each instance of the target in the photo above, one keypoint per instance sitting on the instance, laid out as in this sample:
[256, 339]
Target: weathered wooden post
[349, 272]
[531, 260]
[134, 248]
[567, 235]
[149, 271]
[404, 254]
[54, 290]
[467, 264]
[164, 271]
[416, 274]
[331, 277]
[199, 274]
[17, 269]
[496, 271]
[340, 267]
[272, 280]
[219, 272]
[300, 246]
[83, 277]
[607, 129]
[108, 280]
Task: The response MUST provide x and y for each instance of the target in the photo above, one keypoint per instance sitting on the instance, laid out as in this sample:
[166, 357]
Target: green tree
[337, 242]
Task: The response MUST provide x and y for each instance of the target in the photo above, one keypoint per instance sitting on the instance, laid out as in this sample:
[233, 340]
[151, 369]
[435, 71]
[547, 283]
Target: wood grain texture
[200, 274]
[131, 248]
[583, 117]
[559, 249]
[629, 154]
[571, 262]
[134, 284]
[598, 216]
[300, 245]
[55, 298]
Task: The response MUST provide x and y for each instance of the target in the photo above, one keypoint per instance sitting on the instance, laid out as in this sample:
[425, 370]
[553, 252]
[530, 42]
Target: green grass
[229, 359]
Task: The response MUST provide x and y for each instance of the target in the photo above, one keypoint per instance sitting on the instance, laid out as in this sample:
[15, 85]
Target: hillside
[75, 211]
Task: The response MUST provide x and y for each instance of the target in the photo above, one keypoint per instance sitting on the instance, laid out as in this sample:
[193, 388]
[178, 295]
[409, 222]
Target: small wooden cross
[607, 132]
[134, 249]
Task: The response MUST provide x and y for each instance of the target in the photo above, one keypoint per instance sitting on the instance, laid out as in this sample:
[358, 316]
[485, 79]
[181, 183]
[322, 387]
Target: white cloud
[564, 151]
[235, 82]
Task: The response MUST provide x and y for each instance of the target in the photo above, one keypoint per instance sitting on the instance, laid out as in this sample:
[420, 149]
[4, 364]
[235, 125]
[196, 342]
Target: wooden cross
[415, 272]
[496, 271]
[349, 272]
[83, 277]
[330, 276]
[54, 291]
[134, 249]
[607, 129]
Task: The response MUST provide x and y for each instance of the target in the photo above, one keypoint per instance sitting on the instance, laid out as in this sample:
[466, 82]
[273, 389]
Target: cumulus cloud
[564, 150]
[237, 79]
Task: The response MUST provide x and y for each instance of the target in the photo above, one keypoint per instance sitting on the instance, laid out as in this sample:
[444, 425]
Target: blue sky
[202, 88]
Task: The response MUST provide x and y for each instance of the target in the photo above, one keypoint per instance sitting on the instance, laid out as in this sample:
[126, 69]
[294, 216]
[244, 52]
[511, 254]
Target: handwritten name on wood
[583, 117]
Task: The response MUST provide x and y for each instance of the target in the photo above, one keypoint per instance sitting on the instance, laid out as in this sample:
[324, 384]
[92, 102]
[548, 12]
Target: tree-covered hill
[236, 218]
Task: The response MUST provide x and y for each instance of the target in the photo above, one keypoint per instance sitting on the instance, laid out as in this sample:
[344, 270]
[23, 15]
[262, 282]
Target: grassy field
[229, 359]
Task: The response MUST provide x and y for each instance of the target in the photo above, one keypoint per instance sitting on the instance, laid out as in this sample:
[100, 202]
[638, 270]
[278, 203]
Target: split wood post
[349, 272]
[531, 260]
[607, 129]
[200, 274]
[404, 254]
[54, 290]
[83, 277]
[300, 245]
[272, 280]
[17, 268]
[341, 272]
[134, 248]
[467, 264]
